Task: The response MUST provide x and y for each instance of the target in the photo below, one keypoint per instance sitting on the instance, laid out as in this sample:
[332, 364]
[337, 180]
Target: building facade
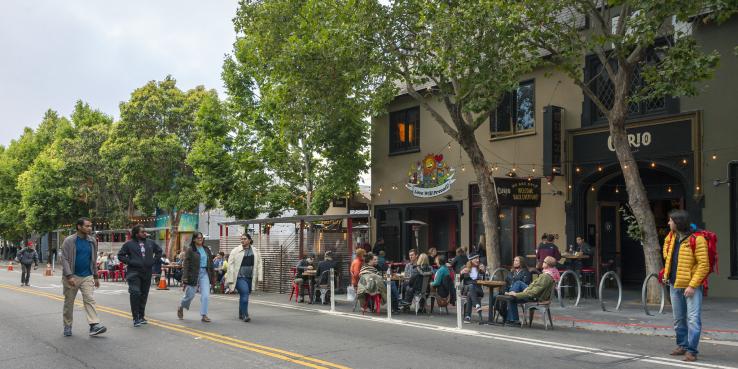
[556, 171]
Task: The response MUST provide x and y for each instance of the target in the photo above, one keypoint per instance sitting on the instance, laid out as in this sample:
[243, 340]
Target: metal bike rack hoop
[579, 287]
[644, 295]
[608, 275]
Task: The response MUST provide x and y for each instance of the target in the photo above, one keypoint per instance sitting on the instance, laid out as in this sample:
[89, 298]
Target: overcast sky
[53, 53]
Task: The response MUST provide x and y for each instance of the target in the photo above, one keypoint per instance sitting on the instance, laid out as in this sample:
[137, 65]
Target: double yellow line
[273, 352]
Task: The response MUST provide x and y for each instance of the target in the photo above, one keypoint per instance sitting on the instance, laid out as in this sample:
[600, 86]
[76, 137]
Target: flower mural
[430, 177]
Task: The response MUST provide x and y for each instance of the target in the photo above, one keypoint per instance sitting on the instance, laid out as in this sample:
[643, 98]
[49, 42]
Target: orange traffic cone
[48, 272]
[162, 283]
[10, 267]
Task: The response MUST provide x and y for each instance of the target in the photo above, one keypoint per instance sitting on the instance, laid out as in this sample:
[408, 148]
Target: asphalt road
[284, 335]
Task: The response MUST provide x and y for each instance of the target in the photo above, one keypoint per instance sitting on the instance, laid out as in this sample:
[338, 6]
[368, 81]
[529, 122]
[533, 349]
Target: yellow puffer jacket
[693, 267]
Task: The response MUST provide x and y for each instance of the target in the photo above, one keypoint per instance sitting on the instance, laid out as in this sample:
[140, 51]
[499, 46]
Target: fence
[280, 253]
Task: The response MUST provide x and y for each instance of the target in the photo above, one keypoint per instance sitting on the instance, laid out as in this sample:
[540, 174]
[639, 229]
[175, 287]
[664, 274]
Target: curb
[640, 329]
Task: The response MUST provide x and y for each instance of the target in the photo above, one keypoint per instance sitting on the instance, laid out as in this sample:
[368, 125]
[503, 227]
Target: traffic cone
[162, 283]
[48, 272]
[10, 267]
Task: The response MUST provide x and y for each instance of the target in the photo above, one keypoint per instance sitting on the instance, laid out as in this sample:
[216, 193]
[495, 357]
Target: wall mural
[430, 177]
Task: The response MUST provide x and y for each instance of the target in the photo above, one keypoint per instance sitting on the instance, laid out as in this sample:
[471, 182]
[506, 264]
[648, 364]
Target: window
[517, 227]
[516, 111]
[405, 131]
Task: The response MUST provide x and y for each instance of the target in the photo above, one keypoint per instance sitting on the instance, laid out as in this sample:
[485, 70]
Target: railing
[611, 275]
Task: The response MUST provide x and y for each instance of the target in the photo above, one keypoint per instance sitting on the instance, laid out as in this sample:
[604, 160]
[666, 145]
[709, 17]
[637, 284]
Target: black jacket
[191, 266]
[130, 254]
[323, 267]
[520, 275]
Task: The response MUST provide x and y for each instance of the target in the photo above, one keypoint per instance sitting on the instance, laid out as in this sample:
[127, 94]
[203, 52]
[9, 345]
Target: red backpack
[712, 253]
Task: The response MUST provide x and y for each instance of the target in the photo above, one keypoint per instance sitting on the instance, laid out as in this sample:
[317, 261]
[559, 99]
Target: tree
[630, 39]
[307, 123]
[150, 146]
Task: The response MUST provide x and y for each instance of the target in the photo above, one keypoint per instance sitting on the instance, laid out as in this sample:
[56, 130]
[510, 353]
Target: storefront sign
[430, 177]
[646, 141]
[518, 191]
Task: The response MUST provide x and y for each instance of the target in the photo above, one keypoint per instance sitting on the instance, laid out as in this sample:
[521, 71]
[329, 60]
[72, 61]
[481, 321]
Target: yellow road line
[214, 337]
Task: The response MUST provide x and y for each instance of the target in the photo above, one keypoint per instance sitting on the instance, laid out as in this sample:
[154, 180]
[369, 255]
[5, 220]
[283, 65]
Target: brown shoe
[678, 352]
[180, 313]
[205, 319]
[690, 357]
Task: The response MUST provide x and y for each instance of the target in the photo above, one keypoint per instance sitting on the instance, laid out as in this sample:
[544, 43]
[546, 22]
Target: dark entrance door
[608, 240]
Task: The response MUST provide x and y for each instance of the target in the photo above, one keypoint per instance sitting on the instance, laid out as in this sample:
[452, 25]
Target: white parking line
[498, 337]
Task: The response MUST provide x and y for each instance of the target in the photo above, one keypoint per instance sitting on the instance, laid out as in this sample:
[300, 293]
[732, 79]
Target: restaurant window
[389, 223]
[516, 111]
[405, 131]
[517, 227]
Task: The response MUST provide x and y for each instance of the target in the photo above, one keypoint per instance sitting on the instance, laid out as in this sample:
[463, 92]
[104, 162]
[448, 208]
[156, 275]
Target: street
[286, 335]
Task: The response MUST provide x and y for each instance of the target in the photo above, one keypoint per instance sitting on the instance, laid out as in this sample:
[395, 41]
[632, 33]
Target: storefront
[519, 199]
[668, 154]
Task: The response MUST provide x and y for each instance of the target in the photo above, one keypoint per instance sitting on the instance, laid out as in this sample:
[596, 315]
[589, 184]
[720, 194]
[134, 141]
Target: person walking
[245, 267]
[197, 275]
[79, 273]
[26, 258]
[684, 271]
[140, 254]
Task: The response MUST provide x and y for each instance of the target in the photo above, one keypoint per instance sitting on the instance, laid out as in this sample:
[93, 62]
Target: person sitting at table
[110, 264]
[546, 249]
[579, 248]
[415, 282]
[356, 266]
[218, 265]
[370, 280]
[539, 290]
[381, 261]
[470, 274]
[442, 281]
[323, 273]
[432, 253]
[519, 277]
[459, 262]
[302, 266]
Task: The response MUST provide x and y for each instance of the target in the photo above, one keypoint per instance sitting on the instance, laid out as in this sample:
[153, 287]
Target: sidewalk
[719, 316]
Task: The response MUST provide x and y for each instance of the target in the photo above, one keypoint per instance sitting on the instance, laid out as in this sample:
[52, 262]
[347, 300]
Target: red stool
[588, 282]
[103, 274]
[375, 300]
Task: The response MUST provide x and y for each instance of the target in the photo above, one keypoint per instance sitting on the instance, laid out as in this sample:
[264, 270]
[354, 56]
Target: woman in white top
[244, 265]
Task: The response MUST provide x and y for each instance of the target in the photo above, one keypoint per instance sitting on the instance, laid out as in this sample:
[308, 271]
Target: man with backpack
[26, 257]
[686, 267]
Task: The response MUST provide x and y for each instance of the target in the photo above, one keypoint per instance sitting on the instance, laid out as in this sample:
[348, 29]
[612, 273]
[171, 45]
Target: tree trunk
[637, 195]
[489, 199]
[174, 217]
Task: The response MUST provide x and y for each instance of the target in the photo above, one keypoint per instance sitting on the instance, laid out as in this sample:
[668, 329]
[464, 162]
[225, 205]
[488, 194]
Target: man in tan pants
[80, 274]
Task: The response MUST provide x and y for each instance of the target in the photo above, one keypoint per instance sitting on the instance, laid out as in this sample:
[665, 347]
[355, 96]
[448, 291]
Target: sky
[53, 53]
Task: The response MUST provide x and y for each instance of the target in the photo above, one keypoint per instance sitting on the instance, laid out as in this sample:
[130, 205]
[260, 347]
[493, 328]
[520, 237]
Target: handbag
[350, 293]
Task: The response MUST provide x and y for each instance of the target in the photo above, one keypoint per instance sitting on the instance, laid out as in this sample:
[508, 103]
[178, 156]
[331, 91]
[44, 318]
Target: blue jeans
[687, 318]
[512, 307]
[203, 282]
[243, 286]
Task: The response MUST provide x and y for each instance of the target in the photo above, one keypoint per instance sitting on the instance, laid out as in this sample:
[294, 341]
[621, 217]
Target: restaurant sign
[518, 192]
[430, 177]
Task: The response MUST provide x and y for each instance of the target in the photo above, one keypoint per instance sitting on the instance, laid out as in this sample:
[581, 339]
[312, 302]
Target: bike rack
[502, 272]
[644, 291]
[579, 287]
[611, 275]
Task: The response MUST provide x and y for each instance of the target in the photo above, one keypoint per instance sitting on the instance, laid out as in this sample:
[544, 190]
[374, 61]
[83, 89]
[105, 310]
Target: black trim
[733, 183]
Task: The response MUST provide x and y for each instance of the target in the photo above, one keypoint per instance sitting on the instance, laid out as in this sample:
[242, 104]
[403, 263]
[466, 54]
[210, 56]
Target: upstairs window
[404, 131]
[516, 112]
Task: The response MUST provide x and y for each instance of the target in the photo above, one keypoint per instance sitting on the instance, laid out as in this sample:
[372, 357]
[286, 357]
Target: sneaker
[180, 313]
[143, 321]
[67, 331]
[205, 319]
[689, 357]
[467, 320]
[136, 323]
[477, 308]
[246, 319]
[97, 329]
